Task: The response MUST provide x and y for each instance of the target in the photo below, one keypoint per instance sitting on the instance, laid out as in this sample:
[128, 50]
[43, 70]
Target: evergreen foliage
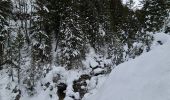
[5, 10]
[36, 34]
[154, 14]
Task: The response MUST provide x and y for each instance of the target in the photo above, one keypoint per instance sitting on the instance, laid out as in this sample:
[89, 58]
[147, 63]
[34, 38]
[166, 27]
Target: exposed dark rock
[56, 78]
[80, 85]
[50, 95]
[160, 42]
[1, 68]
[47, 84]
[18, 96]
[61, 91]
[167, 29]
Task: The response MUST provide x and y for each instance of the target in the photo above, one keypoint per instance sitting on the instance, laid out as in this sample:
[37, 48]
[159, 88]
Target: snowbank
[145, 78]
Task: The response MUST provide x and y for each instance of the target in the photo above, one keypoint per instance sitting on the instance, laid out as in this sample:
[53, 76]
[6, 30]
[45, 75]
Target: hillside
[67, 49]
[145, 78]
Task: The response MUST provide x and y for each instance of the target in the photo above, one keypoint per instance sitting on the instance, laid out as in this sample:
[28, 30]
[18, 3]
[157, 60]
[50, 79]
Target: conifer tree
[155, 12]
[17, 56]
[5, 10]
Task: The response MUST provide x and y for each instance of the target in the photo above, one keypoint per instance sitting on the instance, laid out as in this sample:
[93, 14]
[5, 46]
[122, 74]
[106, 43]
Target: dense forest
[38, 35]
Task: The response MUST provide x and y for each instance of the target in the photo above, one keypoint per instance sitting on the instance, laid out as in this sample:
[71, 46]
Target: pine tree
[94, 22]
[5, 10]
[40, 49]
[17, 48]
[155, 12]
[72, 41]
[64, 24]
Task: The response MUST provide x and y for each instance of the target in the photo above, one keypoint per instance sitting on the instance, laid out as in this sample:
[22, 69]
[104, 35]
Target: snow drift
[144, 78]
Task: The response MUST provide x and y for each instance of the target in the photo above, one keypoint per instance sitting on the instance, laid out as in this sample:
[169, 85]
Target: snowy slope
[144, 78]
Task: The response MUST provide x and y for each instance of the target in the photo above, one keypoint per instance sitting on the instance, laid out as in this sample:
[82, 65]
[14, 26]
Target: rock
[61, 91]
[80, 85]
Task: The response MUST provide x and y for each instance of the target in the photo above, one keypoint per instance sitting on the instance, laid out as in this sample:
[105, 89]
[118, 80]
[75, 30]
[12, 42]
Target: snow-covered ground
[145, 78]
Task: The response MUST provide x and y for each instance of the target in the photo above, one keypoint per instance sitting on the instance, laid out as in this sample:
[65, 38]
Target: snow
[45, 8]
[98, 70]
[145, 78]
[137, 4]
[90, 59]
